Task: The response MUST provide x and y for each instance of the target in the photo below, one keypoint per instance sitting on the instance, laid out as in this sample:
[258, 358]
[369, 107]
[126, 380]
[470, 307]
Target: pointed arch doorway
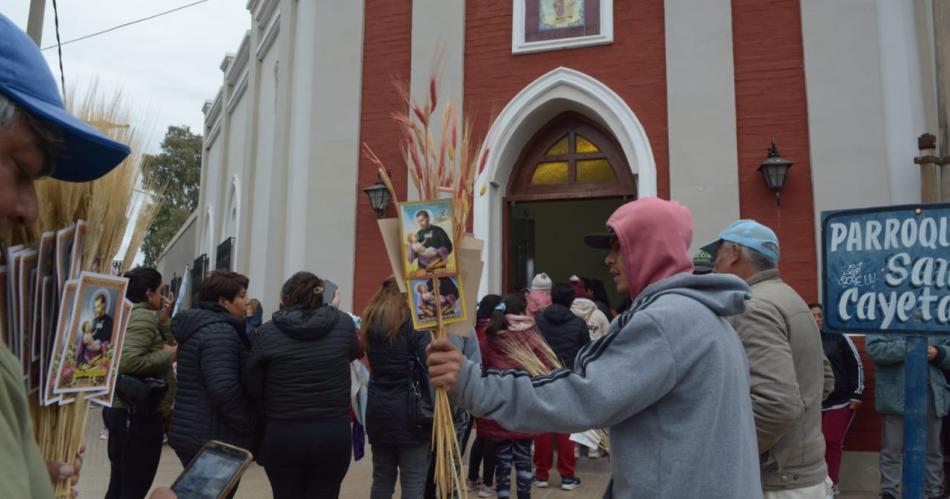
[569, 178]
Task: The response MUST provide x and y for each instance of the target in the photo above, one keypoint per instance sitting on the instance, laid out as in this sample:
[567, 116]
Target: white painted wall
[260, 206]
[904, 98]
[701, 110]
[866, 102]
[324, 146]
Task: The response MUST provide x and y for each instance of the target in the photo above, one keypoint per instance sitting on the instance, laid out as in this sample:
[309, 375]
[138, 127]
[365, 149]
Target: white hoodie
[597, 322]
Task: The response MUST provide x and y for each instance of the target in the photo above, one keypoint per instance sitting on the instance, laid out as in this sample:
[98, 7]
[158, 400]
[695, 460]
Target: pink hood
[654, 236]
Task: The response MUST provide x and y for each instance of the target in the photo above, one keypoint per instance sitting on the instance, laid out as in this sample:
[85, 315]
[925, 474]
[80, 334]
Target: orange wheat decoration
[436, 168]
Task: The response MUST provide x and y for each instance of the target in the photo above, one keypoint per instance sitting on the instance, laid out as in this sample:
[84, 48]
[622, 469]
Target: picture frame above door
[543, 25]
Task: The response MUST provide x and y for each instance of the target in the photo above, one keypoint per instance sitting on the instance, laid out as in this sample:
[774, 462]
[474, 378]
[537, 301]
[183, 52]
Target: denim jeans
[410, 463]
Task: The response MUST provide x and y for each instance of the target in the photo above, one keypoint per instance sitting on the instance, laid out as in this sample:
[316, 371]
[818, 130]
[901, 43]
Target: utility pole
[34, 25]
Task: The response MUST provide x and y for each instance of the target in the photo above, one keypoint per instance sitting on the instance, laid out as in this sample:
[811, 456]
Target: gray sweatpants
[892, 447]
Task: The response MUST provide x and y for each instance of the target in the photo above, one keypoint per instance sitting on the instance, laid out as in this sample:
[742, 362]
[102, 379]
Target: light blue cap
[754, 235]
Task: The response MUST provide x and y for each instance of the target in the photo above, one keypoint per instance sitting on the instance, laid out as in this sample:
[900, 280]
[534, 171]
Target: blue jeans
[517, 453]
[410, 463]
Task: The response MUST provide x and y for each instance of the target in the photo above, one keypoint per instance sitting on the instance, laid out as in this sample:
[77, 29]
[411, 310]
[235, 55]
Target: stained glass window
[552, 172]
[573, 158]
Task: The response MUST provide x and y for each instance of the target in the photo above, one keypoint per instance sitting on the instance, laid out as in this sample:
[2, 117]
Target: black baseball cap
[600, 241]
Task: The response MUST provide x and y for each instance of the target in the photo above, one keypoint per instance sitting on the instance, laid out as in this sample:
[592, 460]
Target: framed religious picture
[54, 360]
[427, 233]
[65, 238]
[540, 25]
[106, 398]
[425, 303]
[92, 335]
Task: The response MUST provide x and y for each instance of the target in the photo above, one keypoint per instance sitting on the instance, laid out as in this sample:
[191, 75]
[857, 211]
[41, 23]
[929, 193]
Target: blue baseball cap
[86, 153]
[750, 234]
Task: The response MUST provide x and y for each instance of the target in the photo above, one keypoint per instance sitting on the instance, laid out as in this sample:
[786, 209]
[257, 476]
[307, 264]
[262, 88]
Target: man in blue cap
[38, 138]
[786, 363]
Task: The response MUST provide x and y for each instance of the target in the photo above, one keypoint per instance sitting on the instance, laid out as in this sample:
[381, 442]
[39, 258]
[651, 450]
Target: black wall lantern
[379, 197]
[775, 170]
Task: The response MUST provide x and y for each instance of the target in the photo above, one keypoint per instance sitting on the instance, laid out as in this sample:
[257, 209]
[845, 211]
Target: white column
[701, 109]
[324, 147]
[438, 31]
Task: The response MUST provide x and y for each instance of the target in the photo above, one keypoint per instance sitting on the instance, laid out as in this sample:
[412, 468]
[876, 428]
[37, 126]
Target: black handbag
[421, 407]
[141, 394]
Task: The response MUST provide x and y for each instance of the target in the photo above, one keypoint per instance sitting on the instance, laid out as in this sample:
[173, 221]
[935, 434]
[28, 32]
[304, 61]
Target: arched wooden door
[570, 159]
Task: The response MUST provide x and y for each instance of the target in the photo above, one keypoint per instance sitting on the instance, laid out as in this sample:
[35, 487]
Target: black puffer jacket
[300, 366]
[387, 405]
[565, 332]
[210, 403]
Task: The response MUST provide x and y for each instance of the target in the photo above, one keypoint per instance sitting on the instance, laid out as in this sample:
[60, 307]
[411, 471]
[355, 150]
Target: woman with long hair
[299, 373]
[135, 434]
[396, 353]
[512, 341]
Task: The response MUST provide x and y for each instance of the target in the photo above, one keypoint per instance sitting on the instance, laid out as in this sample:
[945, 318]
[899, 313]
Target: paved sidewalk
[254, 484]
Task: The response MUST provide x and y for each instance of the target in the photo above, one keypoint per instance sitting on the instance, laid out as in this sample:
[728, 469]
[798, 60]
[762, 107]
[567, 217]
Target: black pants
[307, 459]
[483, 451]
[135, 448]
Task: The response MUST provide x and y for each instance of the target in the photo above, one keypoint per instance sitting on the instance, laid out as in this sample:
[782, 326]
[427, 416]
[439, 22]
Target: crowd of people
[712, 378]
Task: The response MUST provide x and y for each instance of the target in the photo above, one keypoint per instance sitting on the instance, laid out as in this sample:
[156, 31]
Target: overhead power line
[130, 23]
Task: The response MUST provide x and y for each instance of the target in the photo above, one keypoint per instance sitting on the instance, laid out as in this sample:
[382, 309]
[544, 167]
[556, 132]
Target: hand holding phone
[213, 473]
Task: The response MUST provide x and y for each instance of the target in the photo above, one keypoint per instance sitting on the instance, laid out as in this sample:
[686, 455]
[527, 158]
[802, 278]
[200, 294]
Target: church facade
[582, 104]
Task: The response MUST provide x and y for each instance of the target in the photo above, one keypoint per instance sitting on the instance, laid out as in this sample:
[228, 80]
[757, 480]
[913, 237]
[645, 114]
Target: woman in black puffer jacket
[210, 403]
[399, 444]
[299, 372]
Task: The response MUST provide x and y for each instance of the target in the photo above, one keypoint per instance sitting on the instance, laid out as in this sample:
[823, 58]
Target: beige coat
[787, 374]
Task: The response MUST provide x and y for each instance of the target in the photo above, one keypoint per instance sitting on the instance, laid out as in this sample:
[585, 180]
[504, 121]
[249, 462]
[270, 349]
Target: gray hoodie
[670, 380]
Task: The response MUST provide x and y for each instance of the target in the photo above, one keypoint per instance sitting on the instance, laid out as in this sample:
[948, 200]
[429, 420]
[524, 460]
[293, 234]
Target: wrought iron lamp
[775, 171]
[379, 198]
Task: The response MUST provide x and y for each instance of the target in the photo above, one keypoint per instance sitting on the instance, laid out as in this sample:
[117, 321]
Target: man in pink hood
[669, 379]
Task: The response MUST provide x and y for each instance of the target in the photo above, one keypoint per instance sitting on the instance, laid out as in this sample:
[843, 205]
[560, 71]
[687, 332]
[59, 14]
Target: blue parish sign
[887, 270]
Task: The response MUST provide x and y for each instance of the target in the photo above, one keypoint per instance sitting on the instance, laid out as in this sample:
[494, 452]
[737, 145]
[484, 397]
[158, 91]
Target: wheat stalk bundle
[106, 204]
[438, 166]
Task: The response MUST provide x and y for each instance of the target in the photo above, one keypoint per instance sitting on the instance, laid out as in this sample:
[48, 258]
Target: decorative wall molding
[270, 36]
[265, 13]
[214, 112]
[238, 92]
[236, 69]
[560, 90]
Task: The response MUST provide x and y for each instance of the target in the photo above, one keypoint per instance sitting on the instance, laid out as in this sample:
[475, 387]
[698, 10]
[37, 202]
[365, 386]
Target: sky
[166, 68]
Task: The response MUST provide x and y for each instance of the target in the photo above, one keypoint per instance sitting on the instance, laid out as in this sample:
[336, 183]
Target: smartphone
[213, 473]
[329, 291]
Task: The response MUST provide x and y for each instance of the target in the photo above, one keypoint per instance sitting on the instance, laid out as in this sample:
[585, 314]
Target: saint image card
[4, 331]
[27, 279]
[66, 306]
[427, 231]
[39, 344]
[13, 284]
[92, 334]
[65, 238]
[107, 398]
[79, 248]
[45, 266]
[425, 305]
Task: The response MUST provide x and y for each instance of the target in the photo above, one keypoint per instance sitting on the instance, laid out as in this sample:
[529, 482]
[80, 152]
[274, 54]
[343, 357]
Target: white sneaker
[103, 434]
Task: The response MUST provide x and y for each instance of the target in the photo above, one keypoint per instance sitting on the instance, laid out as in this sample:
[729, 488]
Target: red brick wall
[386, 57]
[634, 66]
[771, 102]
[865, 433]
